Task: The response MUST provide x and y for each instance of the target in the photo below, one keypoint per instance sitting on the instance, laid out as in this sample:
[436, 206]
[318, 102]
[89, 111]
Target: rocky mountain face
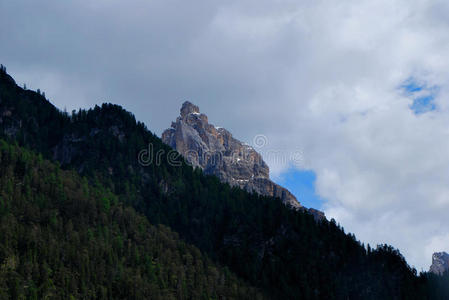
[217, 152]
[440, 263]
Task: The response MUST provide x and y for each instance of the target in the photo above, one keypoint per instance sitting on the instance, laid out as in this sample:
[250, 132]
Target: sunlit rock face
[215, 151]
[440, 263]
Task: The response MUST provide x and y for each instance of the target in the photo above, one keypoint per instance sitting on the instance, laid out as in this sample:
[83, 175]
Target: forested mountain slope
[282, 251]
[62, 238]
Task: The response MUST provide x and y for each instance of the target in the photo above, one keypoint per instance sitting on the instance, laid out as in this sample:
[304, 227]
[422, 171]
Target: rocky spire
[189, 108]
[217, 152]
[440, 263]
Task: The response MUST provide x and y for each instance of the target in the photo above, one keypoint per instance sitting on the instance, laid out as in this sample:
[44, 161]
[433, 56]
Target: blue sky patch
[301, 183]
[423, 104]
[422, 94]
[411, 86]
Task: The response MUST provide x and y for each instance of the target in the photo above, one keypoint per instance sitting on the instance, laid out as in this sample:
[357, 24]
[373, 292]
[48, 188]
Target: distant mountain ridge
[218, 153]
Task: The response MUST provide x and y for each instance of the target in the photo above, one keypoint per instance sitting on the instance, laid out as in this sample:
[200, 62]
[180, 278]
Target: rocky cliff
[217, 152]
[440, 263]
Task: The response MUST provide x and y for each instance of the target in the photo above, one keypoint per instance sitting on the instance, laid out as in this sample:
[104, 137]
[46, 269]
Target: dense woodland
[284, 253]
[62, 238]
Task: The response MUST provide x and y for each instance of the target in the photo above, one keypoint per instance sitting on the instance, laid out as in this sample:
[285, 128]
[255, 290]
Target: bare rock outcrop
[217, 152]
[440, 263]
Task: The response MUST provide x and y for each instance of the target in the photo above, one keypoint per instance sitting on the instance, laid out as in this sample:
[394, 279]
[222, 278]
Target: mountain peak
[218, 153]
[440, 263]
[189, 108]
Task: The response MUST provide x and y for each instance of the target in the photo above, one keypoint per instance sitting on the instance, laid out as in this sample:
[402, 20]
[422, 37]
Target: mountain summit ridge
[218, 153]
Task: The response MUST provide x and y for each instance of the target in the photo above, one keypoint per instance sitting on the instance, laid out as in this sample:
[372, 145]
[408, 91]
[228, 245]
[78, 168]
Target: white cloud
[322, 77]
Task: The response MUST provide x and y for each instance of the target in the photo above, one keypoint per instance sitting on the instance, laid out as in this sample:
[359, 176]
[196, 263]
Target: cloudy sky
[359, 88]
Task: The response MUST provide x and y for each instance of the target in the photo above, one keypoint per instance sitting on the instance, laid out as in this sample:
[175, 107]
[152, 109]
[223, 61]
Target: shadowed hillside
[62, 238]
